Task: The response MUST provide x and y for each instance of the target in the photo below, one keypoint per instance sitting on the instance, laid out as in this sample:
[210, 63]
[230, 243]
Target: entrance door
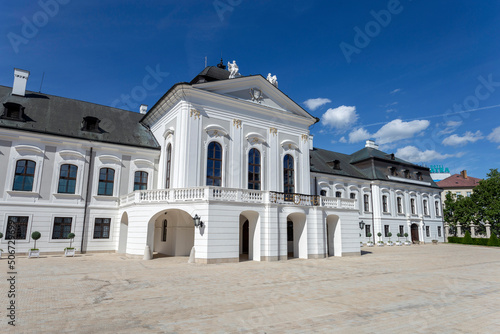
[414, 233]
[244, 236]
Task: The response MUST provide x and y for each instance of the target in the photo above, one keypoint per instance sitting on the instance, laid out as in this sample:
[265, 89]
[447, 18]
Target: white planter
[34, 253]
[399, 243]
[0, 253]
[407, 243]
[380, 244]
[369, 244]
[69, 252]
[390, 243]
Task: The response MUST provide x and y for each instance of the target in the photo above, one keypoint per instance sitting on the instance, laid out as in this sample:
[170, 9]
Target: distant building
[458, 184]
[439, 172]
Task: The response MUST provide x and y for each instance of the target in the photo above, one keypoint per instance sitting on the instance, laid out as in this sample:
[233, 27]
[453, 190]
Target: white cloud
[494, 136]
[343, 140]
[391, 110]
[413, 154]
[340, 118]
[314, 104]
[358, 135]
[398, 130]
[451, 126]
[468, 137]
[391, 132]
[397, 90]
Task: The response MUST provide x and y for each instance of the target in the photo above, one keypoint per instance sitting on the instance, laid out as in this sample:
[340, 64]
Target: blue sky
[422, 78]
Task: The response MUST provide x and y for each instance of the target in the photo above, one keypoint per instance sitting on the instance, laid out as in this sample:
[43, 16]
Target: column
[488, 230]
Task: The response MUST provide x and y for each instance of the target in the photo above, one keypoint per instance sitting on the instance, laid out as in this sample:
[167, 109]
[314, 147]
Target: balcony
[197, 194]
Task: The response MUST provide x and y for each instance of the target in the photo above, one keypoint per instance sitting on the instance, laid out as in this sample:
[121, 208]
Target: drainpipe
[86, 200]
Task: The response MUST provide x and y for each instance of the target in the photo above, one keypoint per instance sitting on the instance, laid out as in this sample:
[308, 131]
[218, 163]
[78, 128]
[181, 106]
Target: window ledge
[106, 198]
[66, 196]
[16, 193]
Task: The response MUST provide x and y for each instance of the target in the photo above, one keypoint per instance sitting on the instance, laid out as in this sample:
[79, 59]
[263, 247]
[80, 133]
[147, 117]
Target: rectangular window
[468, 194]
[62, 227]
[427, 231]
[16, 228]
[164, 234]
[412, 202]
[140, 180]
[425, 208]
[400, 205]
[101, 228]
[386, 230]
[366, 199]
[384, 203]
[24, 175]
[367, 230]
[439, 231]
[353, 195]
[437, 208]
[402, 230]
[106, 182]
[67, 179]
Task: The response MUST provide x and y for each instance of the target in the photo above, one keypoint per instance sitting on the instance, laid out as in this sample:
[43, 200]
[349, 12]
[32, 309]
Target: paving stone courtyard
[425, 289]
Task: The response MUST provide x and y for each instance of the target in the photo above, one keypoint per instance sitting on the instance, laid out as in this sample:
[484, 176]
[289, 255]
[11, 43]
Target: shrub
[468, 239]
[455, 240]
[493, 240]
[35, 236]
[480, 241]
[1, 235]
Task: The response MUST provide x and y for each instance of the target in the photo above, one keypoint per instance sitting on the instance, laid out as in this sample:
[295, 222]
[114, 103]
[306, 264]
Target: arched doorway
[297, 235]
[249, 236]
[122, 241]
[171, 233]
[414, 233]
[334, 244]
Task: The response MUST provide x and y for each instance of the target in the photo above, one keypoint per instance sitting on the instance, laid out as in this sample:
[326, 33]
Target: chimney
[464, 174]
[371, 144]
[143, 109]
[20, 80]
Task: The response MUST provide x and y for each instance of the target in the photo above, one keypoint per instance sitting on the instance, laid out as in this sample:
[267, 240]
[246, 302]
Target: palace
[221, 168]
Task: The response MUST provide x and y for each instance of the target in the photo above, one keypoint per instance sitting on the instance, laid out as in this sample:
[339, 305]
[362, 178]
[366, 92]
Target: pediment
[257, 90]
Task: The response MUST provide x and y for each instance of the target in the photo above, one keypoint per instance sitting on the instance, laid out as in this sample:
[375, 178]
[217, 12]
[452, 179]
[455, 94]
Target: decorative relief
[237, 123]
[274, 131]
[194, 113]
[304, 138]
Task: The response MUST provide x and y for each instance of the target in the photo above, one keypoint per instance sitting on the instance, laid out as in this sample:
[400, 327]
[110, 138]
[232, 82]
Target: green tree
[486, 198]
[459, 210]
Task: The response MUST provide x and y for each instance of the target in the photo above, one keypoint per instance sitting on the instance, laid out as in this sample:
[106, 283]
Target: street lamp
[361, 225]
[197, 221]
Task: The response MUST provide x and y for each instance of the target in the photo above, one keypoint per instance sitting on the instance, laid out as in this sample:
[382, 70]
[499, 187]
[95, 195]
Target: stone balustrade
[232, 195]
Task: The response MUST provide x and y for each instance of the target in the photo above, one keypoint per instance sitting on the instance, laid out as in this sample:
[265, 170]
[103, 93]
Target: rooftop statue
[233, 69]
[272, 79]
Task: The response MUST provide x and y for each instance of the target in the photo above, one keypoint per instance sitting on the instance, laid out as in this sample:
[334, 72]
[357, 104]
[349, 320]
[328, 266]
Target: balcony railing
[232, 195]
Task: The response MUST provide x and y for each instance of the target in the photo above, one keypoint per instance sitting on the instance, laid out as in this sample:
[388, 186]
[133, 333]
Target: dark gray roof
[368, 153]
[367, 163]
[322, 162]
[210, 73]
[61, 116]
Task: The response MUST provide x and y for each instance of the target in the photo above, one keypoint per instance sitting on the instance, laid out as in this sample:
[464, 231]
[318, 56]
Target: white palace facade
[233, 151]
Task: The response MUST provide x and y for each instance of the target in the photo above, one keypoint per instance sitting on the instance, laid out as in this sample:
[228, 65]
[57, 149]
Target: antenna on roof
[43, 75]
[205, 61]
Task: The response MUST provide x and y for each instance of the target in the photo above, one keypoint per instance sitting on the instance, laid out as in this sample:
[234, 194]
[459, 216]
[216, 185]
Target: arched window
[168, 166]
[254, 169]
[24, 175]
[384, 204]
[67, 179]
[426, 212]
[288, 175]
[106, 181]
[214, 165]
[140, 180]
